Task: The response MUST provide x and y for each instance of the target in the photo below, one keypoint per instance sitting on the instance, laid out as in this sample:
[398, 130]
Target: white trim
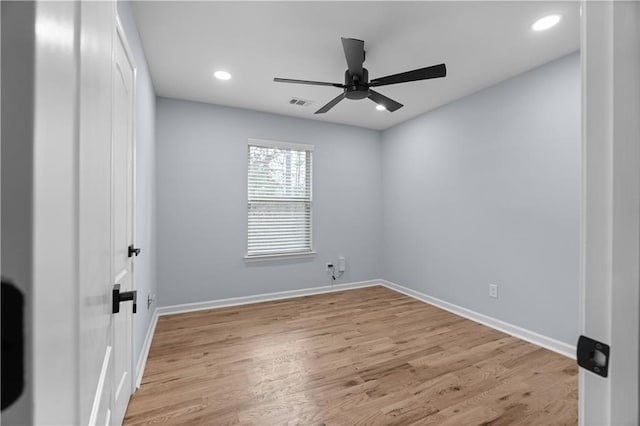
[144, 354]
[101, 380]
[263, 257]
[125, 41]
[278, 144]
[610, 243]
[514, 330]
[245, 300]
[54, 368]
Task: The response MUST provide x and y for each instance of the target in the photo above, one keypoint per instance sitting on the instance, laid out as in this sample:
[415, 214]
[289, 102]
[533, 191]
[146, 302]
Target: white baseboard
[519, 332]
[144, 354]
[245, 300]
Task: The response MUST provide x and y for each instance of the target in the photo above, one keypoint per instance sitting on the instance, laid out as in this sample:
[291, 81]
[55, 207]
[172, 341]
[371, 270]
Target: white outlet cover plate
[493, 291]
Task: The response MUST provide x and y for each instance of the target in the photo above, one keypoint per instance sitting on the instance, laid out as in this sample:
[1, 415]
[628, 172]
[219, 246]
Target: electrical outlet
[342, 264]
[329, 267]
[493, 290]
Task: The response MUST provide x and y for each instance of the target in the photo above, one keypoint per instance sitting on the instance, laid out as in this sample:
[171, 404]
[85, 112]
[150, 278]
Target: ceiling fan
[356, 79]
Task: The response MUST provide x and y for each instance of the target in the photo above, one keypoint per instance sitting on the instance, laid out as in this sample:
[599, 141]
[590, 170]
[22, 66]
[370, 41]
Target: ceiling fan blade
[331, 104]
[435, 71]
[315, 83]
[380, 99]
[354, 52]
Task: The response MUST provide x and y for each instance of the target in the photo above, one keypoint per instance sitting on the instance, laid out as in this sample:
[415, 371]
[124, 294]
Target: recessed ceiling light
[380, 107]
[222, 75]
[545, 23]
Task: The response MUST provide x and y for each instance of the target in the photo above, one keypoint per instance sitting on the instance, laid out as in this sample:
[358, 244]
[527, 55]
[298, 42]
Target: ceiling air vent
[300, 102]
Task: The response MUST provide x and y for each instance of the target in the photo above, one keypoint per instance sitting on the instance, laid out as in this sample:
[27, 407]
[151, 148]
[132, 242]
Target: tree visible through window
[279, 198]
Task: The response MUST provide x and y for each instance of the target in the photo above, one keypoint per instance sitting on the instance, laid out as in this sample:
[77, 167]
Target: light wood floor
[360, 357]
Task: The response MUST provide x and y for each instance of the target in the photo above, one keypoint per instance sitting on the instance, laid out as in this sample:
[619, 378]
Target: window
[279, 195]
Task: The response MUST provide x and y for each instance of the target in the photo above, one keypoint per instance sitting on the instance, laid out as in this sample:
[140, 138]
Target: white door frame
[55, 215]
[127, 48]
[610, 243]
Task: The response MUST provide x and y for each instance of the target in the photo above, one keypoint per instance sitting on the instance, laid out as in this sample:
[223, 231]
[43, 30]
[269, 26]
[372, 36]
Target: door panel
[122, 223]
[94, 210]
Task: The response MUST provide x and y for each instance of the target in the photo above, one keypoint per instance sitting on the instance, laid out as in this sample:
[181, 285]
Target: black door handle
[119, 297]
[133, 251]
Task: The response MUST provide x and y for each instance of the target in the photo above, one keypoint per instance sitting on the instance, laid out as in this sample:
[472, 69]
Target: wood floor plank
[369, 356]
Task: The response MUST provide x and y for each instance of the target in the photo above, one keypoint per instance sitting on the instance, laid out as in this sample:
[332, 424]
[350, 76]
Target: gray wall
[486, 190]
[202, 202]
[18, 45]
[145, 145]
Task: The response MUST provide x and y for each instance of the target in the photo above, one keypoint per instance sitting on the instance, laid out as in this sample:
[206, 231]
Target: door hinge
[593, 356]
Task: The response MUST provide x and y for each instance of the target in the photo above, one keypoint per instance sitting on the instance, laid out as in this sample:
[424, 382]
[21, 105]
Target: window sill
[263, 257]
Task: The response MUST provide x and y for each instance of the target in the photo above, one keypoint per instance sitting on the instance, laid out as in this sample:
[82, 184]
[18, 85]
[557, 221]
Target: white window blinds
[279, 195]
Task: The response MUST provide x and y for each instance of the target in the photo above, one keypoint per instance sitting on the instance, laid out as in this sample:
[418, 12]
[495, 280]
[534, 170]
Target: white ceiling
[481, 43]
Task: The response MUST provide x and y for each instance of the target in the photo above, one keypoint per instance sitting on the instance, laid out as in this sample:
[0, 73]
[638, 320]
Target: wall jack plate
[493, 291]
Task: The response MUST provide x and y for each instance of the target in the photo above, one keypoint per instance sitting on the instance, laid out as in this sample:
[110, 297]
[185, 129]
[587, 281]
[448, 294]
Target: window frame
[265, 143]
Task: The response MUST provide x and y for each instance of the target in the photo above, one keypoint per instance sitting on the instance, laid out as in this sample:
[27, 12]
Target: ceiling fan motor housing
[356, 85]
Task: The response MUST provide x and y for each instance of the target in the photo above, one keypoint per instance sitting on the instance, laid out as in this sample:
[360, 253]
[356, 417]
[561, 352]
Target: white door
[122, 222]
[611, 207]
[82, 186]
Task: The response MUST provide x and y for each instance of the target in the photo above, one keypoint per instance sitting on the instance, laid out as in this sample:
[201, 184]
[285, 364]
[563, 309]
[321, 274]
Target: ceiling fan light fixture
[356, 79]
[546, 22]
[222, 75]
